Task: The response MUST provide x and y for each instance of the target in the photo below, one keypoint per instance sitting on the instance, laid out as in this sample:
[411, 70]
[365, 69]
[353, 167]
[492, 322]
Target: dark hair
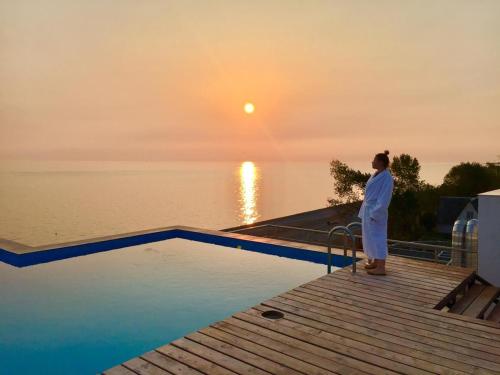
[383, 157]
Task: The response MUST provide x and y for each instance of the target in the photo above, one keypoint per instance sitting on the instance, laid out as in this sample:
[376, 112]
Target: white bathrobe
[373, 214]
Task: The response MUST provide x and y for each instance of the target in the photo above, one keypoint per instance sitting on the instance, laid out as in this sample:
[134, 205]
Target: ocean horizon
[46, 202]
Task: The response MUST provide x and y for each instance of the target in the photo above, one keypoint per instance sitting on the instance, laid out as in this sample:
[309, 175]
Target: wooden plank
[369, 344]
[477, 308]
[437, 267]
[471, 294]
[460, 345]
[142, 367]
[119, 370]
[204, 338]
[422, 281]
[387, 284]
[311, 362]
[249, 318]
[461, 288]
[289, 355]
[169, 364]
[351, 289]
[384, 293]
[447, 274]
[340, 346]
[342, 286]
[408, 316]
[304, 350]
[443, 275]
[194, 361]
[399, 278]
[494, 315]
[465, 355]
[421, 264]
[209, 354]
[444, 334]
[289, 364]
[418, 282]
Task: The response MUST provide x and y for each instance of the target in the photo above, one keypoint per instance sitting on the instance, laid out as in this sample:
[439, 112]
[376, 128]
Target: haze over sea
[49, 202]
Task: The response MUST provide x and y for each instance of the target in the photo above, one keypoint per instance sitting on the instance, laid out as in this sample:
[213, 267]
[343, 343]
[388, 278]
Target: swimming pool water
[83, 315]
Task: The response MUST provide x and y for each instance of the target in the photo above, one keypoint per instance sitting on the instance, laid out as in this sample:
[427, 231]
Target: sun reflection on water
[248, 192]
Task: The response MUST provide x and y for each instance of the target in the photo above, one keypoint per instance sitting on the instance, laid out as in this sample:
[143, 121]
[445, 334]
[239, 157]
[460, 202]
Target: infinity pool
[85, 314]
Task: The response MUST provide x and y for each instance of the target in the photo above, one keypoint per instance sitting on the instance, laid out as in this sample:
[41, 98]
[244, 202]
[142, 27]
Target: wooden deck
[342, 324]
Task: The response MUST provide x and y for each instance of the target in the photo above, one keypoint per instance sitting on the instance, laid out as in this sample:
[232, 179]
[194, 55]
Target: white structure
[489, 236]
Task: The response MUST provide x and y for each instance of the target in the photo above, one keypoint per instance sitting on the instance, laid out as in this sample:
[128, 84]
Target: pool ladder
[347, 232]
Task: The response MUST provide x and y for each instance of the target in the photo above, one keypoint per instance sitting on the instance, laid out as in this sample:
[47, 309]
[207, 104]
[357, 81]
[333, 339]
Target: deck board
[394, 321]
[119, 370]
[215, 356]
[194, 361]
[376, 312]
[343, 323]
[369, 344]
[142, 367]
[494, 315]
[464, 302]
[286, 354]
[428, 337]
[169, 364]
[477, 308]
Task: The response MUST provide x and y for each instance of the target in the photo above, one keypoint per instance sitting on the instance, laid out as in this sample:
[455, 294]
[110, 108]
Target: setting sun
[249, 108]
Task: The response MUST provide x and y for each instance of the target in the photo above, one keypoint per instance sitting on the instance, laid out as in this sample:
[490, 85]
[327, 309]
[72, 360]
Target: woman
[373, 214]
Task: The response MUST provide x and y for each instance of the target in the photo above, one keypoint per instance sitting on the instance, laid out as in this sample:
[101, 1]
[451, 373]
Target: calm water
[86, 314]
[47, 202]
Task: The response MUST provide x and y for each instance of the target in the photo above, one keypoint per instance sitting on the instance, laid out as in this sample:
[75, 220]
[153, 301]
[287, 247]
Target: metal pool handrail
[347, 231]
[353, 225]
[416, 247]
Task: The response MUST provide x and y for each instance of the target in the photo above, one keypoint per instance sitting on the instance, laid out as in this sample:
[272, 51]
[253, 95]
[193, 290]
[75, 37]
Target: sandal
[376, 272]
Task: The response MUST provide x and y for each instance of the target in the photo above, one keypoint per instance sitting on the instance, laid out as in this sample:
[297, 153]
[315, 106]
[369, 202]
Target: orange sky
[167, 80]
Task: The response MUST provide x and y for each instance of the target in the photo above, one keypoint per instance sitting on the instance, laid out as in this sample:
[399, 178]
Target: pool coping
[22, 255]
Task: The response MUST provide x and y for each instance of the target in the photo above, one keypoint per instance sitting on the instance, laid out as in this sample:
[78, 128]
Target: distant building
[453, 208]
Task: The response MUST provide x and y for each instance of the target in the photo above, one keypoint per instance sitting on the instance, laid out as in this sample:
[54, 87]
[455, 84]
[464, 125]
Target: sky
[167, 80]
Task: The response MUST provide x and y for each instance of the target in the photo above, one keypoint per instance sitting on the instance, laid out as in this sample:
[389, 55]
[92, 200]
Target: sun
[249, 108]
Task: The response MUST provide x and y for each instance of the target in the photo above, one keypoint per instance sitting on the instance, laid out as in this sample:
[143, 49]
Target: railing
[408, 249]
[347, 232]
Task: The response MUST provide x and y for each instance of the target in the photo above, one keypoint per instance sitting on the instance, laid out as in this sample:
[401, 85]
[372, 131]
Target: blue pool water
[85, 314]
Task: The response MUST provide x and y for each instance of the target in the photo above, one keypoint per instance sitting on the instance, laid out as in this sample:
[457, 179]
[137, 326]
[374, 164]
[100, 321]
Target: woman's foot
[378, 269]
[370, 265]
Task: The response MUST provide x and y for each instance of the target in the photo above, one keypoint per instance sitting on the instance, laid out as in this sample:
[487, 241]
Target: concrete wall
[489, 236]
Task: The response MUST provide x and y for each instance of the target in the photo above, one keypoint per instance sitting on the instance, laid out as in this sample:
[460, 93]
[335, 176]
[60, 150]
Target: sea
[49, 202]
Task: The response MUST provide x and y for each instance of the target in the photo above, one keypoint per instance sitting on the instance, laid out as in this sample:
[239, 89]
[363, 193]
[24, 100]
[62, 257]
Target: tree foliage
[348, 184]
[406, 172]
[470, 179]
[405, 208]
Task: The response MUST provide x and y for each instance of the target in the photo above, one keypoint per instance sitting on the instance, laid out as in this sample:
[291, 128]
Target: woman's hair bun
[386, 152]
